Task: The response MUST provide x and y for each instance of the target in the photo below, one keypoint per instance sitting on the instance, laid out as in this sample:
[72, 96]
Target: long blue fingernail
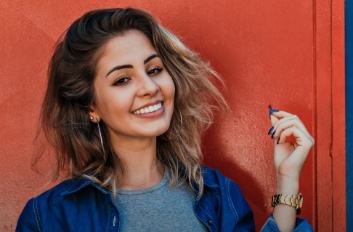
[270, 131]
[271, 111]
[273, 134]
[278, 141]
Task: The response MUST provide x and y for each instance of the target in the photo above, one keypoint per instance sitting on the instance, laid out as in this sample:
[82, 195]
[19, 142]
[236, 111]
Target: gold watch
[292, 200]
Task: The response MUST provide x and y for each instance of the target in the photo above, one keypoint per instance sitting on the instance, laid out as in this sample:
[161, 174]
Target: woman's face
[134, 92]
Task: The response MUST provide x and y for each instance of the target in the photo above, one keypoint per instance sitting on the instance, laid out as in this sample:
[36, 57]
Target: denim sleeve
[302, 225]
[28, 220]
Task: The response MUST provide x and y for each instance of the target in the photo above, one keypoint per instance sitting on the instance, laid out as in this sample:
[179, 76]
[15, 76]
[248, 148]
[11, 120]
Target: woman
[125, 107]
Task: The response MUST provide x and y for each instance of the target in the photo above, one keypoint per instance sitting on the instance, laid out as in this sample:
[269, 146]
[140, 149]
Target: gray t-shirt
[159, 208]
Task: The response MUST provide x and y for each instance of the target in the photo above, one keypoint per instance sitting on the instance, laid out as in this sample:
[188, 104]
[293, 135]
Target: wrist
[287, 185]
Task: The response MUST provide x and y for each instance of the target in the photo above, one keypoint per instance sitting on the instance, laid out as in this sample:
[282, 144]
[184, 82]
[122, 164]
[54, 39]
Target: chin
[160, 131]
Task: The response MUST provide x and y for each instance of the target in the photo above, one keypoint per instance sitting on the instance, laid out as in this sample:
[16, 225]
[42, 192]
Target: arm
[289, 157]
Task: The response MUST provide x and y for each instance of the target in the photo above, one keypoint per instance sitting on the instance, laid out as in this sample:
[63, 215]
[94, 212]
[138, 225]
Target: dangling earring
[100, 135]
[181, 118]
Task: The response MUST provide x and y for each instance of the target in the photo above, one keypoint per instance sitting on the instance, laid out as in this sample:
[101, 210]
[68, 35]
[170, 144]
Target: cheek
[111, 103]
[169, 88]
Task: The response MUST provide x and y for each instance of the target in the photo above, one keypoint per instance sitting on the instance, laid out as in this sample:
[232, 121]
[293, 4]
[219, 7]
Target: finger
[275, 115]
[280, 114]
[287, 122]
[301, 139]
[273, 119]
[278, 117]
[301, 149]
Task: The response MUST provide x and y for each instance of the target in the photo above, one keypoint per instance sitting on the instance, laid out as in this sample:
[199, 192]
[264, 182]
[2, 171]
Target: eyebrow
[148, 59]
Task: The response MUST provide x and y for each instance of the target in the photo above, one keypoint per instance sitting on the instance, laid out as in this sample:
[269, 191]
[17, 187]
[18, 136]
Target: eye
[154, 71]
[122, 80]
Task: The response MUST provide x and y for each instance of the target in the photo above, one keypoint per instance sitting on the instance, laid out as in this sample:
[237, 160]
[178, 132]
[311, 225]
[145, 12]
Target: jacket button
[210, 221]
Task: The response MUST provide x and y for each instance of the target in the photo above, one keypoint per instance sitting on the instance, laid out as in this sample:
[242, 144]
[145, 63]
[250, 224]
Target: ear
[93, 115]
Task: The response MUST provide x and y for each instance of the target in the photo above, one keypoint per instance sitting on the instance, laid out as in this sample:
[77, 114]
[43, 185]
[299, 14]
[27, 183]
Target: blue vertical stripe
[349, 111]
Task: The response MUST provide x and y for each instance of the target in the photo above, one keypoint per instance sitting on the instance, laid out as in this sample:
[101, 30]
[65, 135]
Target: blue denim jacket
[81, 205]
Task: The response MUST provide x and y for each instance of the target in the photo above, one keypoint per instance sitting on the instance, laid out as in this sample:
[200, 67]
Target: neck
[142, 177]
[141, 166]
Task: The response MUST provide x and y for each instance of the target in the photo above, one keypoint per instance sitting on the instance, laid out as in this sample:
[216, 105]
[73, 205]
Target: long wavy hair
[65, 117]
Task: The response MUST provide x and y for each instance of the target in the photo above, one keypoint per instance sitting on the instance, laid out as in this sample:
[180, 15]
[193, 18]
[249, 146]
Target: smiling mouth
[148, 109]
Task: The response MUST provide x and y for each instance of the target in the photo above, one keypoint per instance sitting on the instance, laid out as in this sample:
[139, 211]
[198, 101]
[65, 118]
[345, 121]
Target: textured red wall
[264, 50]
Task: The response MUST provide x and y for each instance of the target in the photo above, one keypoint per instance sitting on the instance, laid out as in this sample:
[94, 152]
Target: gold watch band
[292, 200]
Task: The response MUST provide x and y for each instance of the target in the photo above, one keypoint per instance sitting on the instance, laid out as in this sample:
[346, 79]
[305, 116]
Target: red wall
[277, 52]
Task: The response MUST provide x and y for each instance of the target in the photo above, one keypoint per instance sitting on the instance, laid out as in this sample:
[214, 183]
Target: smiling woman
[125, 108]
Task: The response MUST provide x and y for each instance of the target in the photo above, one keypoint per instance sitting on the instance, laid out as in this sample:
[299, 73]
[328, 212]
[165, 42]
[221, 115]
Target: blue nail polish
[278, 141]
[273, 134]
[272, 111]
[270, 131]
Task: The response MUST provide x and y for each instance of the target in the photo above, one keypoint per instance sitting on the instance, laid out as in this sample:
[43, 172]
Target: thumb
[273, 118]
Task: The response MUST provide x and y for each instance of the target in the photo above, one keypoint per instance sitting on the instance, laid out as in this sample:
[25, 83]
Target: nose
[147, 85]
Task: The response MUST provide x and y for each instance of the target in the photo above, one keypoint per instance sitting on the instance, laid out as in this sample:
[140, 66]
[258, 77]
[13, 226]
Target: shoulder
[55, 194]
[223, 188]
[62, 189]
[214, 179]
[224, 201]
[70, 197]
[71, 191]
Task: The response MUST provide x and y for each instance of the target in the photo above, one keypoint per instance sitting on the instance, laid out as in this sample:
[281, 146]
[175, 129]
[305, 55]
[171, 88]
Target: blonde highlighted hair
[65, 120]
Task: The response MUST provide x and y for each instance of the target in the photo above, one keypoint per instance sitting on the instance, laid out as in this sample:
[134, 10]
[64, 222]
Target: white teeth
[148, 109]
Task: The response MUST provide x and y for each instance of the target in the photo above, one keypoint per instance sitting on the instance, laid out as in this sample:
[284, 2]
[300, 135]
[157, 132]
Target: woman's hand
[292, 144]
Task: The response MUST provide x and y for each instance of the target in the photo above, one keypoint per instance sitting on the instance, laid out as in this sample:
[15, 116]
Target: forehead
[129, 44]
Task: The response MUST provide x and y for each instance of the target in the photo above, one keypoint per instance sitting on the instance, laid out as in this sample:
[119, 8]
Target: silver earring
[91, 118]
[100, 135]
[181, 118]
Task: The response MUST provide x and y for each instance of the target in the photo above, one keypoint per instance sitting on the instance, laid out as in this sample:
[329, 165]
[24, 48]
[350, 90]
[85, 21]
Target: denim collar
[73, 186]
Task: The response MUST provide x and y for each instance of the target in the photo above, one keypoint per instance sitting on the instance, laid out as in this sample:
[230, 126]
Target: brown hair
[65, 120]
